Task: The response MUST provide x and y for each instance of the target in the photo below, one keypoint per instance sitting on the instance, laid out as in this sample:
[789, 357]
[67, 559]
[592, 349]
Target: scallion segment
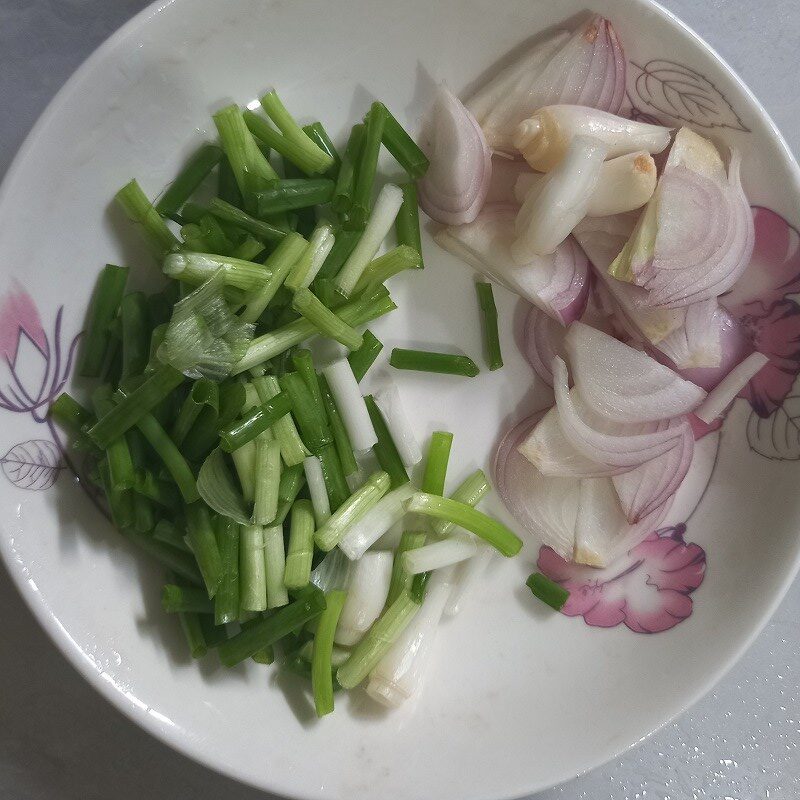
[344, 245]
[226, 600]
[267, 479]
[494, 357]
[301, 546]
[316, 488]
[346, 179]
[401, 577]
[228, 212]
[470, 491]
[324, 320]
[292, 194]
[322, 653]
[106, 300]
[436, 466]
[380, 637]
[288, 149]
[547, 591]
[404, 149]
[363, 358]
[185, 598]
[385, 449]
[308, 265]
[490, 530]
[203, 544]
[252, 569]
[275, 566]
[193, 173]
[317, 133]
[367, 164]
[351, 405]
[134, 315]
[136, 205]
[309, 416]
[426, 361]
[293, 451]
[195, 269]
[407, 223]
[245, 429]
[380, 269]
[341, 439]
[361, 501]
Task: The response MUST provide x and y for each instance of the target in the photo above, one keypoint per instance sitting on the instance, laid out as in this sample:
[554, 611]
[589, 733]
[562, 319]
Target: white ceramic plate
[520, 698]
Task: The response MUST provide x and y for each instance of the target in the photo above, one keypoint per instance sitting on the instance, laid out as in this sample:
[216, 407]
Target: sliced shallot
[544, 138]
[586, 67]
[557, 283]
[455, 185]
[557, 203]
[623, 384]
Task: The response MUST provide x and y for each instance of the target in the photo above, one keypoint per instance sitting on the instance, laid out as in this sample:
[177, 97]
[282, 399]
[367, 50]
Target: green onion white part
[466, 577]
[350, 403]
[275, 566]
[338, 657]
[244, 459]
[436, 555]
[293, 451]
[267, 478]
[197, 268]
[387, 204]
[387, 398]
[333, 572]
[217, 488]
[366, 596]
[310, 262]
[389, 510]
[252, 569]
[400, 672]
[316, 488]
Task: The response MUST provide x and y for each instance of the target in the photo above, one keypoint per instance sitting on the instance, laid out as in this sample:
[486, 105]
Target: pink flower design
[759, 303]
[648, 589]
[19, 316]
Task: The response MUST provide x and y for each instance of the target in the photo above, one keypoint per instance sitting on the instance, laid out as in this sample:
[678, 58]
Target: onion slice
[623, 384]
[586, 67]
[544, 138]
[725, 393]
[454, 187]
[557, 203]
[557, 283]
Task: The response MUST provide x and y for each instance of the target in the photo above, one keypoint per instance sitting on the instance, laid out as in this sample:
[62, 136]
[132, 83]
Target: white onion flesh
[556, 283]
[557, 203]
[544, 138]
[454, 187]
[725, 393]
[623, 384]
[586, 67]
[367, 591]
[399, 674]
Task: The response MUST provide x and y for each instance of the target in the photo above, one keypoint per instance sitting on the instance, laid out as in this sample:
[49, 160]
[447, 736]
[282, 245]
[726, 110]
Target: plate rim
[178, 739]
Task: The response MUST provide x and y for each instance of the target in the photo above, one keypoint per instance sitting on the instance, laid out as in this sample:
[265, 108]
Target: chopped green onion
[401, 577]
[194, 172]
[367, 164]
[316, 488]
[493, 532]
[293, 451]
[120, 501]
[135, 405]
[547, 591]
[193, 633]
[275, 566]
[218, 490]
[438, 555]
[70, 414]
[226, 600]
[361, 501]
[248, 249]
[346, 179]
[380, 269]
[136, 205]
[244, 459]
[288, 149]
[173, 460]
[280, 264]
[324, 320]
[471, 490]
[301, 546]
[309, 416]
[267, 479]
[103, 309]
[385, 449]
[363, 358]
[380, 222]
[308, 265]
[118, 454]
[320, 137]
[179, 561]
[252, 569]
[245, 429]
[380, 637]
[419, 586]
[333, 475]
[304, 364]
[351, 404]
[185, 598]
[196, 268]
[134, 316]
[230, 213]
[494, 357]
[204, 393]
[322, 653]
[291, 194]
[167, 532]
[425, 361]
[227, 188]
[312, 154]
[247, 162]
[163, 492]
[271, 344]
[340, 252]
[203, 543]
[403, 148]
[436, 466]
[407, 223]
[341, 439]
[268, 630]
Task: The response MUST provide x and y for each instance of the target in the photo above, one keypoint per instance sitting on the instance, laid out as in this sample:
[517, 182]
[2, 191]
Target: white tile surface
[59, 739]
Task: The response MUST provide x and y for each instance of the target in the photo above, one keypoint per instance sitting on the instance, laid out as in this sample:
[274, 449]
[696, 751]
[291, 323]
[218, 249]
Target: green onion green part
[293, 451]
[228, 212]
[134, 315]
[471, 490]
[194, 172]
[407, 223]
[322, 653]
[436, 466]
[252, 569]
[267, 479]
[254, 422]
[103, 309]
[292, 194]
[494, 357]
[403, 148]
[203, 543]
[275, 566]
[185, 598]
[341, 439]
[346, 178]
[226, 600]
[547, 591]
[425, 361]
[401, 578]
[368, 164]
[363, 358]
[380, 269]
[310, 416]
[136, 205]
[324, 320]
[385, 450]
[301, 546]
